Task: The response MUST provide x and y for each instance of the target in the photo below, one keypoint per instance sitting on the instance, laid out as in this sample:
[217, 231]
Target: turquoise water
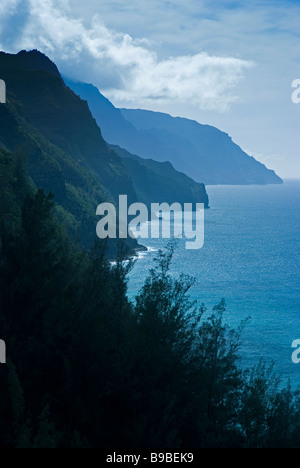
[251, 257]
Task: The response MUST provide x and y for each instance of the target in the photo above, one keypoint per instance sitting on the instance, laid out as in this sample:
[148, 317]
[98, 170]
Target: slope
[152, 181]
[201, 151]
[53, 133]
[63, 118]
[159, 181]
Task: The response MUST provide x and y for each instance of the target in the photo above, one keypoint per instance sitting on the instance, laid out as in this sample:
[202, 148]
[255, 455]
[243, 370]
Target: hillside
[115, 128]
[87, 368]
[76, 191]
[55, 134]
[63, 118]
[152, 181]
[204, 153]
[155, 181]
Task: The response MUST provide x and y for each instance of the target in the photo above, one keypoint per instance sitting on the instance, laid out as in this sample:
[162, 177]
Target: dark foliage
[54, 133]
[87, 368]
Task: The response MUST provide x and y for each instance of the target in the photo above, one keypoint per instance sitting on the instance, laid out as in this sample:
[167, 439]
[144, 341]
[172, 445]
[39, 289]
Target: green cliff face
[153, 181]
[62, 117]
[55, 135]
[59, 142]
[156, 181]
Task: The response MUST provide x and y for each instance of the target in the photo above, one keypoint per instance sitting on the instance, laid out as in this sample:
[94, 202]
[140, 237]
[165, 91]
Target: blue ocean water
[251, 258]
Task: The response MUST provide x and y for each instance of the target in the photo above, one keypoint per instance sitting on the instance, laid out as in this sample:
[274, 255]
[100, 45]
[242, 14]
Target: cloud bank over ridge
[128, 70]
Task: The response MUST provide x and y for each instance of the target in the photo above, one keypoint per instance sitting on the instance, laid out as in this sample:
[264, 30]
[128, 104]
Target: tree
[88, 368]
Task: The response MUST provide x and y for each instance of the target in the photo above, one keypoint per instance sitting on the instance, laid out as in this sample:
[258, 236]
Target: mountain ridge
[155, 181]
[61, 144]
[212, 152]
[205, 153]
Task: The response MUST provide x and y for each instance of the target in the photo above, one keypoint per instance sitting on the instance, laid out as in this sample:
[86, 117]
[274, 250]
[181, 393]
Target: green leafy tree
[89, 368]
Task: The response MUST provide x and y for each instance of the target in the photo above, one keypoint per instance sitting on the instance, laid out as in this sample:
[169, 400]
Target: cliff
[204, 153]
[53, 132]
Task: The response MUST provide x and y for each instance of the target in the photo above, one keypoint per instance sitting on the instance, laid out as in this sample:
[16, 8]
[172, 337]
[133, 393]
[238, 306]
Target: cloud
[127, 70]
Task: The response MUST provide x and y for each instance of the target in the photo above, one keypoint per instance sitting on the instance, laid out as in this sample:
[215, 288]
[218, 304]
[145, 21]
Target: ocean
[251, 258]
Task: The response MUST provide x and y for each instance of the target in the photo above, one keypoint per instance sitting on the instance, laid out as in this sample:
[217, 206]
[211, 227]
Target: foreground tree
[88, 368]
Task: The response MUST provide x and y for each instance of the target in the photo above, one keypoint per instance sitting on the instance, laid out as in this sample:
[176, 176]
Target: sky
[221, 62]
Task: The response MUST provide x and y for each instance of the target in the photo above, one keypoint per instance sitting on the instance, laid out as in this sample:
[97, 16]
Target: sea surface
[251, 258]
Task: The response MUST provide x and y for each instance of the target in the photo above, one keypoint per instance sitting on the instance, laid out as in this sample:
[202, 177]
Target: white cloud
[127, 70]
[8, 6]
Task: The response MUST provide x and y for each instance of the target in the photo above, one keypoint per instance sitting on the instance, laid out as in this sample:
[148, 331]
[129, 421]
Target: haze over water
[251, 258]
